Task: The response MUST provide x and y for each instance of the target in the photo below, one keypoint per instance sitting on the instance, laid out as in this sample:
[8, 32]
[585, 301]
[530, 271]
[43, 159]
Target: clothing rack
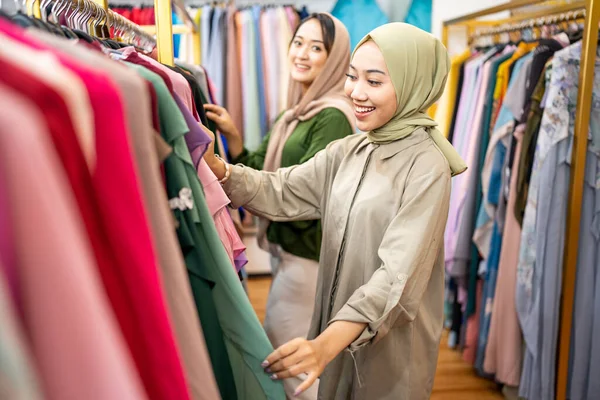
[94, 10]
[163, 19]
[576, 15]
[591, 14]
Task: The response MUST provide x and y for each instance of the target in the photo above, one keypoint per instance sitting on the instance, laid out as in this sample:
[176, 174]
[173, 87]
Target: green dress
[236, 342]
[300, 238]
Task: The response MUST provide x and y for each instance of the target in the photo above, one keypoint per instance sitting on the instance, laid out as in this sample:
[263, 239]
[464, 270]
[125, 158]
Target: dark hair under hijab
[327, 26]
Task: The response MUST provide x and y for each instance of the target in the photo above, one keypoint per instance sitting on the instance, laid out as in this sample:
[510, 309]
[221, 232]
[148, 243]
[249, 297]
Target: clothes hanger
[60, 7]
[73, 21]
[45, 11]
[101, 27]
[93, 21]
[88, 17]
[575, 30]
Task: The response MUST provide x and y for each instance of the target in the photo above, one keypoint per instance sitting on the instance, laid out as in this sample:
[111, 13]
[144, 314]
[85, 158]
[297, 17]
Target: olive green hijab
[418, 64]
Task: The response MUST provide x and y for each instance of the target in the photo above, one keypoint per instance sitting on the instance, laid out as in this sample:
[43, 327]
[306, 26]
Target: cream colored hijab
[326, 91]
[418, 64]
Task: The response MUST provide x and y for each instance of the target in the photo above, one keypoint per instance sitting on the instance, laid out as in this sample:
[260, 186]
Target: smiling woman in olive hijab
[383, 198]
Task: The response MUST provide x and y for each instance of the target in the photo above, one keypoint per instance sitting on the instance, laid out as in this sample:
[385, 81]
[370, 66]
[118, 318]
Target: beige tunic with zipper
[384, 210]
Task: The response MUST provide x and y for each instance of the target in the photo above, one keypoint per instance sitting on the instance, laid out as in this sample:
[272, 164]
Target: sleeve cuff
[347, 313]
[235, 190]
[377, 325]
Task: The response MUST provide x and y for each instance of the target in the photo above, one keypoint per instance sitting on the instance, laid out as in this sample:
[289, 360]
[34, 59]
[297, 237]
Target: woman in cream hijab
[383, 198]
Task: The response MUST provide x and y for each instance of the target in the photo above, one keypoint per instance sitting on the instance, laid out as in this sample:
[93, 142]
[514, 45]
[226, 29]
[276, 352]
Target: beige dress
[384, 210]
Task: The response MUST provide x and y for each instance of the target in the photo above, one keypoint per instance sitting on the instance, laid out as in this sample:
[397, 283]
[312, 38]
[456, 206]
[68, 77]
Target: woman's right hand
[221, 117]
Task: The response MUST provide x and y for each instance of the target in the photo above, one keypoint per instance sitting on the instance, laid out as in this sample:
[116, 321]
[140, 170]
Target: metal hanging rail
[573, 14]
[492, 10]
[95, 10]
[579, 153]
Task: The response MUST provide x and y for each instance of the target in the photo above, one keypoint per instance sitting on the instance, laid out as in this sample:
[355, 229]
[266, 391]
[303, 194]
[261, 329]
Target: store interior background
[456, 377]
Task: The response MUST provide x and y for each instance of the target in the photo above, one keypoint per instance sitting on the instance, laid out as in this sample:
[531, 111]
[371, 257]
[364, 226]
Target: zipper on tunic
[343, 245]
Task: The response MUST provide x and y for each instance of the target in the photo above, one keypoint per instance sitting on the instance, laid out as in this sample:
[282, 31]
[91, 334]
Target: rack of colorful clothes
[118, 256]
[244, 51]
[522, 107]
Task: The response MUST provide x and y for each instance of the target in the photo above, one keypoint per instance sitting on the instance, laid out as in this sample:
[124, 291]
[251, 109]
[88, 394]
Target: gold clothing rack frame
[164, 30]
[591, 13]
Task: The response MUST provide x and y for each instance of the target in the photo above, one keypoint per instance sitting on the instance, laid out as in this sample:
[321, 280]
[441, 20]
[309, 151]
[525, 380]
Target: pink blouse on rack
[217, 202]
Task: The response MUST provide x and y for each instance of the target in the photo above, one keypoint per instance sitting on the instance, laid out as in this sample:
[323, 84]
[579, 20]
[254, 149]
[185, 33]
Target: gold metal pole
[509, 24]
[493, 10]
[164, 31]
[558, 9]
[197, 44]
[177, 28]
[579, 152]
[470, 19]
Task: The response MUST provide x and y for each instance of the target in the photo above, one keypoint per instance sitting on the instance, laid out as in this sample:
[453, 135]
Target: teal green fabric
[360, 17]
[180, 175]
[246, 342]
[301, 238]
[419, 14]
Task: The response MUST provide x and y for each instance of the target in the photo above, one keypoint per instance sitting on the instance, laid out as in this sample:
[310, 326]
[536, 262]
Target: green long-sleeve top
[300, 238]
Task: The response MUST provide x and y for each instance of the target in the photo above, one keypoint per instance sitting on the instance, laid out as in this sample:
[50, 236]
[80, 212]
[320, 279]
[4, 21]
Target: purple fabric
[196, 137]
[241, 259]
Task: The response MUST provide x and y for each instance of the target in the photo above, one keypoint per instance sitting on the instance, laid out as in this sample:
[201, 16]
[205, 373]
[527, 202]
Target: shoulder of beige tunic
[427, 157]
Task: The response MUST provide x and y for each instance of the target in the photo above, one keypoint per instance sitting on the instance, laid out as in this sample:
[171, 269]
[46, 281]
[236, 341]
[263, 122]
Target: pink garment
[217, 200]
[231, 240]
[7, 257]
[503, 351]
[469, 149]
[472, 330]
[74, 337]
[180, 85]
[292, 17]
[233, 99]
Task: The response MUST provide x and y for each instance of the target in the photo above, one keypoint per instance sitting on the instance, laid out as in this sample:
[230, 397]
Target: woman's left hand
[294, 358]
